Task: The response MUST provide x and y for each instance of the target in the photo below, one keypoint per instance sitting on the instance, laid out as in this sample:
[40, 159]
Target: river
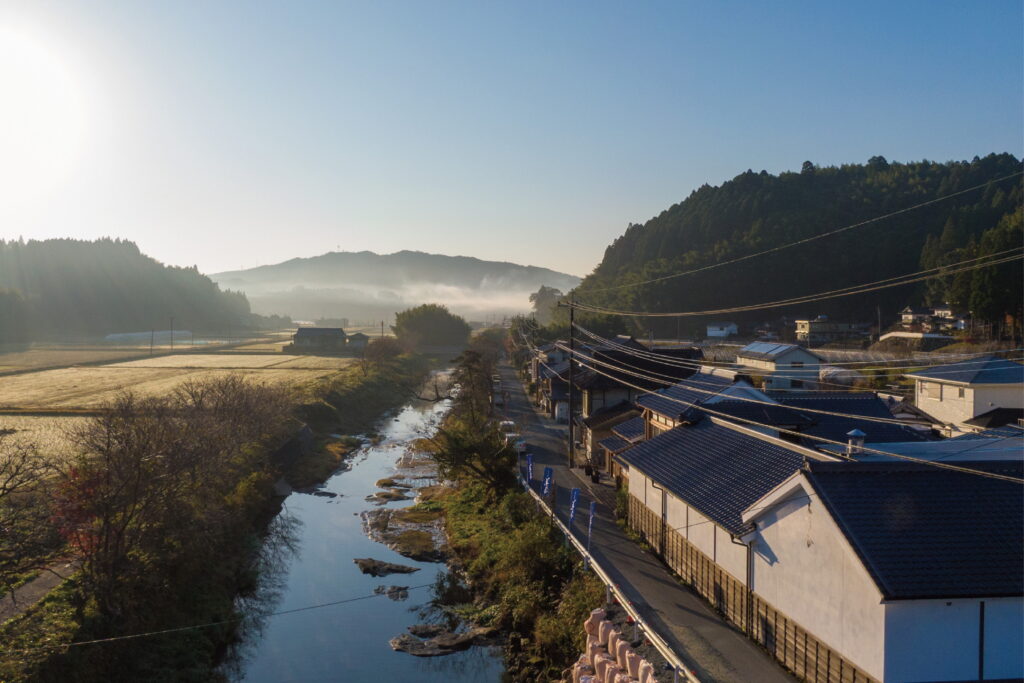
[313, 565]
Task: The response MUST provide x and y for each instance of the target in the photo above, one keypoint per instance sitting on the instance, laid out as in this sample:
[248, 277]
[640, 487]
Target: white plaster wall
[637, 485]
[730, 556]
[677, 515]
[701, 533]
[804, 567]
[1004, 638]
[976, 401]
[998, 396]
[930, 640]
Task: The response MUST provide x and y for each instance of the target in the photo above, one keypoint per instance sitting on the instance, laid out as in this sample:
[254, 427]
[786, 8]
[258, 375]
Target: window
[961, 392]
[933, 390]
[797, 364]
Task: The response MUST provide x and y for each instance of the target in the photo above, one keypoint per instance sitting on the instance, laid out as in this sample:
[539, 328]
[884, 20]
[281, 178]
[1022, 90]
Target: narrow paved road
[714, 650]
[23, 597]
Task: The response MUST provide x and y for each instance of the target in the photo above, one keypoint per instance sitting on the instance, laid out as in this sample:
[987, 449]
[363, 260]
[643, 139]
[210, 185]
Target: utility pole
[172, 333]
[381, 329]
[878, 309]
[572, 387]
[152, 334]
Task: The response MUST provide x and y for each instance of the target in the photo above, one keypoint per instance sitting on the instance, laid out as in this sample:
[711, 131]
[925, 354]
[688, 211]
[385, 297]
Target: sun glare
[43, 117]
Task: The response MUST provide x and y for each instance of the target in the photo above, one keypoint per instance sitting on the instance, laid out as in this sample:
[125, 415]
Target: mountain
[364, 285]
[754, 212]
[67, 288]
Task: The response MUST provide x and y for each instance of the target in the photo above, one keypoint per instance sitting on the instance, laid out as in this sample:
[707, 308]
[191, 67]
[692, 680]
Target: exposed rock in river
[444, 643]
[396, 593]
[380, 568]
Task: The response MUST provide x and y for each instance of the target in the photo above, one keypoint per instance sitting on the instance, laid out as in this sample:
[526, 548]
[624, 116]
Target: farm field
[49, 434]
[89, 387]
[231, 361]
[40, 358]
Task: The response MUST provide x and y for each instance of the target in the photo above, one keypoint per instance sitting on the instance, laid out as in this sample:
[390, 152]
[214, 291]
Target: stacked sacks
[609, 657]
[582, 669]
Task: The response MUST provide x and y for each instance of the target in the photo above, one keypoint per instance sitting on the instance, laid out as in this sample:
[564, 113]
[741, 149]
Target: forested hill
[757, 211]
[67, 288]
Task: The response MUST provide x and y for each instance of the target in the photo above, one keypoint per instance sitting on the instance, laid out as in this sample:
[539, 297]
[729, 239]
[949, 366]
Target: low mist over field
[365, 285]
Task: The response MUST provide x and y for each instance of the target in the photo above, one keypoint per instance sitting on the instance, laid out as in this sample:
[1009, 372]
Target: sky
[234, 134]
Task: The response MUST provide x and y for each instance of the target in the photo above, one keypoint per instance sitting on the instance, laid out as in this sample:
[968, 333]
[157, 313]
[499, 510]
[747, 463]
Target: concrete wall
[804, 568]
[978, 399]
[940, 640]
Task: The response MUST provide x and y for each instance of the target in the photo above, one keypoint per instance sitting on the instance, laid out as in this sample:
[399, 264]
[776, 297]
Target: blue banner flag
[590, 522]
[573, 499]
[529, 469]
[548, 475]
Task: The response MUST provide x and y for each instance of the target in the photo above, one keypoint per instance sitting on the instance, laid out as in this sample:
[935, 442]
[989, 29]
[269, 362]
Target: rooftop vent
[856, 443]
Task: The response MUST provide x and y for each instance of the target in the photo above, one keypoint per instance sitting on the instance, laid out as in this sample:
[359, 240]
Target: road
[713, 649]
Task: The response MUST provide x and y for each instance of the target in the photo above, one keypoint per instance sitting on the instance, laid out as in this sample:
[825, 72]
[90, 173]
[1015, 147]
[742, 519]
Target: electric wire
[807, 239]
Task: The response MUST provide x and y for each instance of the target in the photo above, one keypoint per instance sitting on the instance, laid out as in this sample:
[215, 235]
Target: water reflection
[309, 562]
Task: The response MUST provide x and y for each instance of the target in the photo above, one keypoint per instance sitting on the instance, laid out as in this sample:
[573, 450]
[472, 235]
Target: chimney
[856, 443]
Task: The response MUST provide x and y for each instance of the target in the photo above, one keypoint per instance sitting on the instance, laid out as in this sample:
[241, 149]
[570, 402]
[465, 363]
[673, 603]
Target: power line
[193, 627]
[807, 239]
[726, 416]
[898, 281]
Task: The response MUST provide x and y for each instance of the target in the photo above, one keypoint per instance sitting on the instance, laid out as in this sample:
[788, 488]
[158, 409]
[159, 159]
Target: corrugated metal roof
[717, 470]
[767, 350]
[924, 532]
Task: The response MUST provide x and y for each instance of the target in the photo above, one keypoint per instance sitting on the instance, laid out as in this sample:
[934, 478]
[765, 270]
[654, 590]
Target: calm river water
[347, 641]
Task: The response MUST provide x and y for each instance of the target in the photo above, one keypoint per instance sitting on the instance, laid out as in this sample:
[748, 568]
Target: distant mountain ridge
[367, 284]
[342, 268]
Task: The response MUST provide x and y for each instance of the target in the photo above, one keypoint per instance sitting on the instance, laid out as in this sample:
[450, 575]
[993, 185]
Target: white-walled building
[721, 330]
[784, 366]
[956, 393]
[872, 571]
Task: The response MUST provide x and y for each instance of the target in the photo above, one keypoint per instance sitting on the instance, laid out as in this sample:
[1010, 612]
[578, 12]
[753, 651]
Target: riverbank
[203, 591]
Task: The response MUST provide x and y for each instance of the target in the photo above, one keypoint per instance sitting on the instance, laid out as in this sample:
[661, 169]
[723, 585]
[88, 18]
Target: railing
[679, 668]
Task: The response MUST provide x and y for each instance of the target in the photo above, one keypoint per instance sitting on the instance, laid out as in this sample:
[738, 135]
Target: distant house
[319, 339]
[785, 366]
[357, 340]
[940, 318]
[598, 426]
[722, 329]
[957, 393]
[914, 315]
[821, 330]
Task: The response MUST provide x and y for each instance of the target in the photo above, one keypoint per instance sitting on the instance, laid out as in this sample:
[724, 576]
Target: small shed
[358, 340]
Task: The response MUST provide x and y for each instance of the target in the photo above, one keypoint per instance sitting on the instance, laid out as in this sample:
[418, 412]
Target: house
[956, 393]
[906, 572]
[547, 354]
[784, 366]
[915, 315]
[721, 330]
[553, 390]
[834, 414]
[319, 339]
[853, 571]
[624, 435]
[673, 406]
[821, 330]
[357, 341]
[598, 426]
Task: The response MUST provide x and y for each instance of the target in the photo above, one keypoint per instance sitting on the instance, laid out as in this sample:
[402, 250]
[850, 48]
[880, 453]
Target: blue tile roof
[987, 370]
[853, 403]
[924, 532]
[614, 444]
[691, 390]
[630, 430]
[715, 469]
[780, 415]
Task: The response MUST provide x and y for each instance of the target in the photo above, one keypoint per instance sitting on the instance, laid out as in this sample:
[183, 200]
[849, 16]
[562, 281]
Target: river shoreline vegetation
[522, 577]
[166, 504]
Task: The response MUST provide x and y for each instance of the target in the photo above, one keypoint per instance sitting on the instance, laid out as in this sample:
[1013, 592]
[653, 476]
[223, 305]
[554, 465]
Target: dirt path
[16, 602]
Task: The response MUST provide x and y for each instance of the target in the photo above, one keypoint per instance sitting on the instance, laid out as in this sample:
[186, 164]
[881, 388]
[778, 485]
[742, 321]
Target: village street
[714, 650]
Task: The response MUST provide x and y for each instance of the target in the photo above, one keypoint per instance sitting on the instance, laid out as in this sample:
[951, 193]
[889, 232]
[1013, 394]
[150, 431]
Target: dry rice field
[49, 434]
[91, 387]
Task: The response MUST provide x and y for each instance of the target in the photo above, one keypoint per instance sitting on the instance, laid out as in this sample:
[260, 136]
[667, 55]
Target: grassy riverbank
[188, 566]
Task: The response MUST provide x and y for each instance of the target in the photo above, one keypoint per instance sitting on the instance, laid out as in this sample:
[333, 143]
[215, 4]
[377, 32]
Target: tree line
[66, 287]
[757, 211]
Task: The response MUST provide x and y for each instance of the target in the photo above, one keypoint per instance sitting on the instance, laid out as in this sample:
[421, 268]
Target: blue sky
[235, 134]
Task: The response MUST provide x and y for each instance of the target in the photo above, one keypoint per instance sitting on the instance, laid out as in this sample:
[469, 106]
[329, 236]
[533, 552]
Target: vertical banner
[529, 469]
[573, 499]
[590, 529]
[548, 475]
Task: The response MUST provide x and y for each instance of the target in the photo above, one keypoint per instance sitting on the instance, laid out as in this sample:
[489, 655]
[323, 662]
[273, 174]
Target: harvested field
[226, 361]
[92, 386]
[38, 359]
[49, 434]
[316, 363]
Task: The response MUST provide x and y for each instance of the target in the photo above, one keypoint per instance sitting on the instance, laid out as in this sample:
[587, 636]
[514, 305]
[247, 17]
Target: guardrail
[679, 667]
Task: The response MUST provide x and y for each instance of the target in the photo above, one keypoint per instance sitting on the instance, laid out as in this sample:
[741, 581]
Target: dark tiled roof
[602, 416]
[783, 416]
[320, 332]
[614, 444]
[691, 390]
[853, 403]
[560, 369]
[997, 417]
[924, 532]
[630, 430]
[717, 470]
[988, 370]
[559, 391]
